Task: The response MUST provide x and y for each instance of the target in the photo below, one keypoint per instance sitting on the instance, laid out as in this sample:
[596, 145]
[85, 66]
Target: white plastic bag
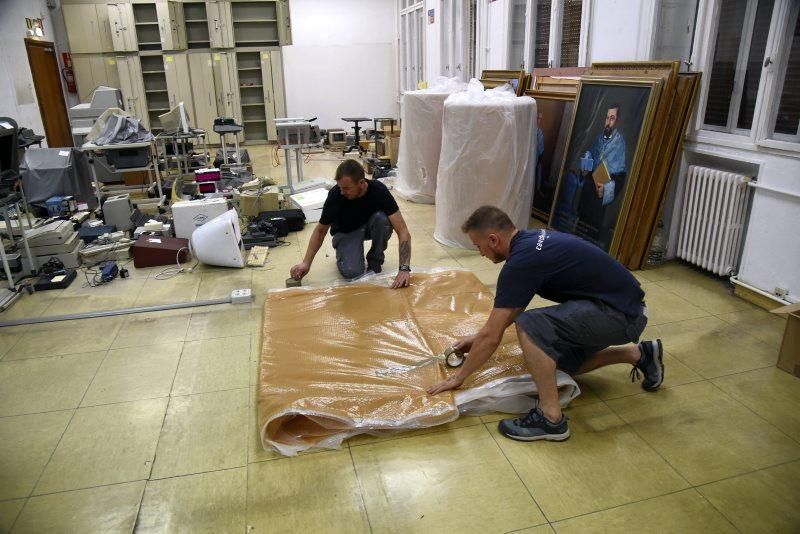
[421, 139]
[488, 157]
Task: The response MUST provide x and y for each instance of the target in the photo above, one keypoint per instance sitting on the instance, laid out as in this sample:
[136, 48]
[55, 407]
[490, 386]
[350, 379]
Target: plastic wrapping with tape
[421, 139]
[488, 157]
[325, 352]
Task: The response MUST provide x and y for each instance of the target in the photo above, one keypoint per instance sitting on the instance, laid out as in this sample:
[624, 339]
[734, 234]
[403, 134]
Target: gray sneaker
[651, 363]
[533, 427]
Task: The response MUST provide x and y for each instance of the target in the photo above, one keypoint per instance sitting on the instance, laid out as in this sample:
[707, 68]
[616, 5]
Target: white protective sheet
[421, 139]
[488, 157]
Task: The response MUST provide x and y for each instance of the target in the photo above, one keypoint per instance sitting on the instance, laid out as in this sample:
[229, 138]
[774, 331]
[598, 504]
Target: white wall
[17, 95]
[621, 30]
[343, 61]
[433, 43]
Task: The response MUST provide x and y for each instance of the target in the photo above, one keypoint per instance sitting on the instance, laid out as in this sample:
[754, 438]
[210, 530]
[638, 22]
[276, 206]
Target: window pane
[755, 59]
[571, 33]
[472, 39]
[723, 69]
[788, 118]
[542, 43]
[516, 47]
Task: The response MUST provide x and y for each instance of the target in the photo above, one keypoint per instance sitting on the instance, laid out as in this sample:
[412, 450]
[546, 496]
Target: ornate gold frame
[655, 86]
[495, 78]
[562, 97]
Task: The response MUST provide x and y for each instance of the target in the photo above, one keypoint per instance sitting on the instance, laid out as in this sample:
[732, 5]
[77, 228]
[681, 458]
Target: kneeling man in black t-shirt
[356, 210]
[600, 316]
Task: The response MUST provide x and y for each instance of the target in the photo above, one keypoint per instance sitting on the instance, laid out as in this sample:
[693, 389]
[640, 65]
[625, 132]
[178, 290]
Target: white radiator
[713, 217]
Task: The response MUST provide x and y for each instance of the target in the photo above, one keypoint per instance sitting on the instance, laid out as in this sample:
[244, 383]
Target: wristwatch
[406, 268]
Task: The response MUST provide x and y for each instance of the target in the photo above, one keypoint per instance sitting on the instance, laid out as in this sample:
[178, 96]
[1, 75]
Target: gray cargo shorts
[572, 332]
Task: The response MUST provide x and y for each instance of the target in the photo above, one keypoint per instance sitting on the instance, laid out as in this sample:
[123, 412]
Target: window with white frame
[784, 120]
[546, 33]
[754, 71]
[457, 38]
[412, 43]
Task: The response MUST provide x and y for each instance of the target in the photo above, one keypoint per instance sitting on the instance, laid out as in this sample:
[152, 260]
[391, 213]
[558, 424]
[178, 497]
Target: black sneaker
[651, 364]
[375, 267]
[534, 426]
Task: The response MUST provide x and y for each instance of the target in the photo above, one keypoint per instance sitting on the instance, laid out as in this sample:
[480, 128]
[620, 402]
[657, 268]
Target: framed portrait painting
[611, 124]
[553, 120]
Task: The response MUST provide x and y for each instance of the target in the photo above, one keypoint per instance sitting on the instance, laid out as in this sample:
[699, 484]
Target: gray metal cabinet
[171, 25]
[123, 27]
[132, 87]
[93, 70]
[87, 27]
[204, 93]
[220, 24]
[179, 83]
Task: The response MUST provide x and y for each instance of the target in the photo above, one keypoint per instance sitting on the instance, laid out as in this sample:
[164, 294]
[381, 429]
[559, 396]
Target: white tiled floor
[148, 422]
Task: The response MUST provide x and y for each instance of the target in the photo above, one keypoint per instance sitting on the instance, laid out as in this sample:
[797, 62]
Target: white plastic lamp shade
[219, 241]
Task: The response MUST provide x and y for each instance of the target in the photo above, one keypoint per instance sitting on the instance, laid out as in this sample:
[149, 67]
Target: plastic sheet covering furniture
[488, 158]
[50, 172]
[421, 139]
[117, 126]
[338, 361]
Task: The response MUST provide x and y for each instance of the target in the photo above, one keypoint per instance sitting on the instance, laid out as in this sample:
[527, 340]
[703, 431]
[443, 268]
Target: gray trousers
[350, 246]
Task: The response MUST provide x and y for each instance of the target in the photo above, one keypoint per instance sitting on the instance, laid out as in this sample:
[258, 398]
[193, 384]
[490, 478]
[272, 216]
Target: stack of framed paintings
[607, 153]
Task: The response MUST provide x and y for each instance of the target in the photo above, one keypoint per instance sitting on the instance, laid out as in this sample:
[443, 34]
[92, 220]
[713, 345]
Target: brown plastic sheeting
[337, 361]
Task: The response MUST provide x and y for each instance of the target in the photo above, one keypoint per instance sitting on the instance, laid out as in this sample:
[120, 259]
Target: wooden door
[47, 83]
[201, 72]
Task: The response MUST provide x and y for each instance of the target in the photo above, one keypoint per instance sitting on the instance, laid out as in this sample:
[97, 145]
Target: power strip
[241, 296]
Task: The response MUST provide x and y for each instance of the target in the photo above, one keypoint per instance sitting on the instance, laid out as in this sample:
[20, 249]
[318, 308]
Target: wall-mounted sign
[430, 16]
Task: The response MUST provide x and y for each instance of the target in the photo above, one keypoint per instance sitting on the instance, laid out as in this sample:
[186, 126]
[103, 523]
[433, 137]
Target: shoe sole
[658, 351]
[546, 437]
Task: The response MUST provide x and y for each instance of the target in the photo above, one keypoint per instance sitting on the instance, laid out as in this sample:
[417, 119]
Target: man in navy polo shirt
[598, 320]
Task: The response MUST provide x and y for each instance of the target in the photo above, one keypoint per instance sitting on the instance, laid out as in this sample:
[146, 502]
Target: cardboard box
[251, 203]
[393, 148]
[153, 251]
[789, 355]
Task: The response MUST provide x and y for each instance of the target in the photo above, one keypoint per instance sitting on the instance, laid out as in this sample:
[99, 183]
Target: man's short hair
[488, 218]
[350, 168]
[615, 106]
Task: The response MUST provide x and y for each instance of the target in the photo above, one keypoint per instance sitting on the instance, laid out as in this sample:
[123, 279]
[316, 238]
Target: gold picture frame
[554, 111]
[516, 78]
[568, 212]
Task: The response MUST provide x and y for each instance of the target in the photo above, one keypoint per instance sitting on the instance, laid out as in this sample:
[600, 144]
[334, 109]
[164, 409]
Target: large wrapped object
[488, 158]
[51, 172]
[339, 361]
[115, 126]
[421, 139]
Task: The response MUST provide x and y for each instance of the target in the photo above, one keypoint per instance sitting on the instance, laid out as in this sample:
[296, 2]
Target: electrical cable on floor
[171, 272]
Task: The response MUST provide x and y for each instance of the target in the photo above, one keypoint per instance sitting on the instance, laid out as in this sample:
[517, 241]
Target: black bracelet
[405, 268]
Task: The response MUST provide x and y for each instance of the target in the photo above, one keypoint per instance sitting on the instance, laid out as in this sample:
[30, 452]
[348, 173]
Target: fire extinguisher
[67, 72]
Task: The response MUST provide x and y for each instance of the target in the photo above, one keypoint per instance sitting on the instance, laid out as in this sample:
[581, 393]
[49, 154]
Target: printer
[83, 116]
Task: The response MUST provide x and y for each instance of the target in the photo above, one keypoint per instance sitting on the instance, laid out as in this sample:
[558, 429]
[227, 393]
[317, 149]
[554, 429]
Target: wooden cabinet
[179, 83]
[87, 27]
[132, 86]
[204, 94]
[220, 24]
[92, 71]
[123, 27]
[171, 25]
